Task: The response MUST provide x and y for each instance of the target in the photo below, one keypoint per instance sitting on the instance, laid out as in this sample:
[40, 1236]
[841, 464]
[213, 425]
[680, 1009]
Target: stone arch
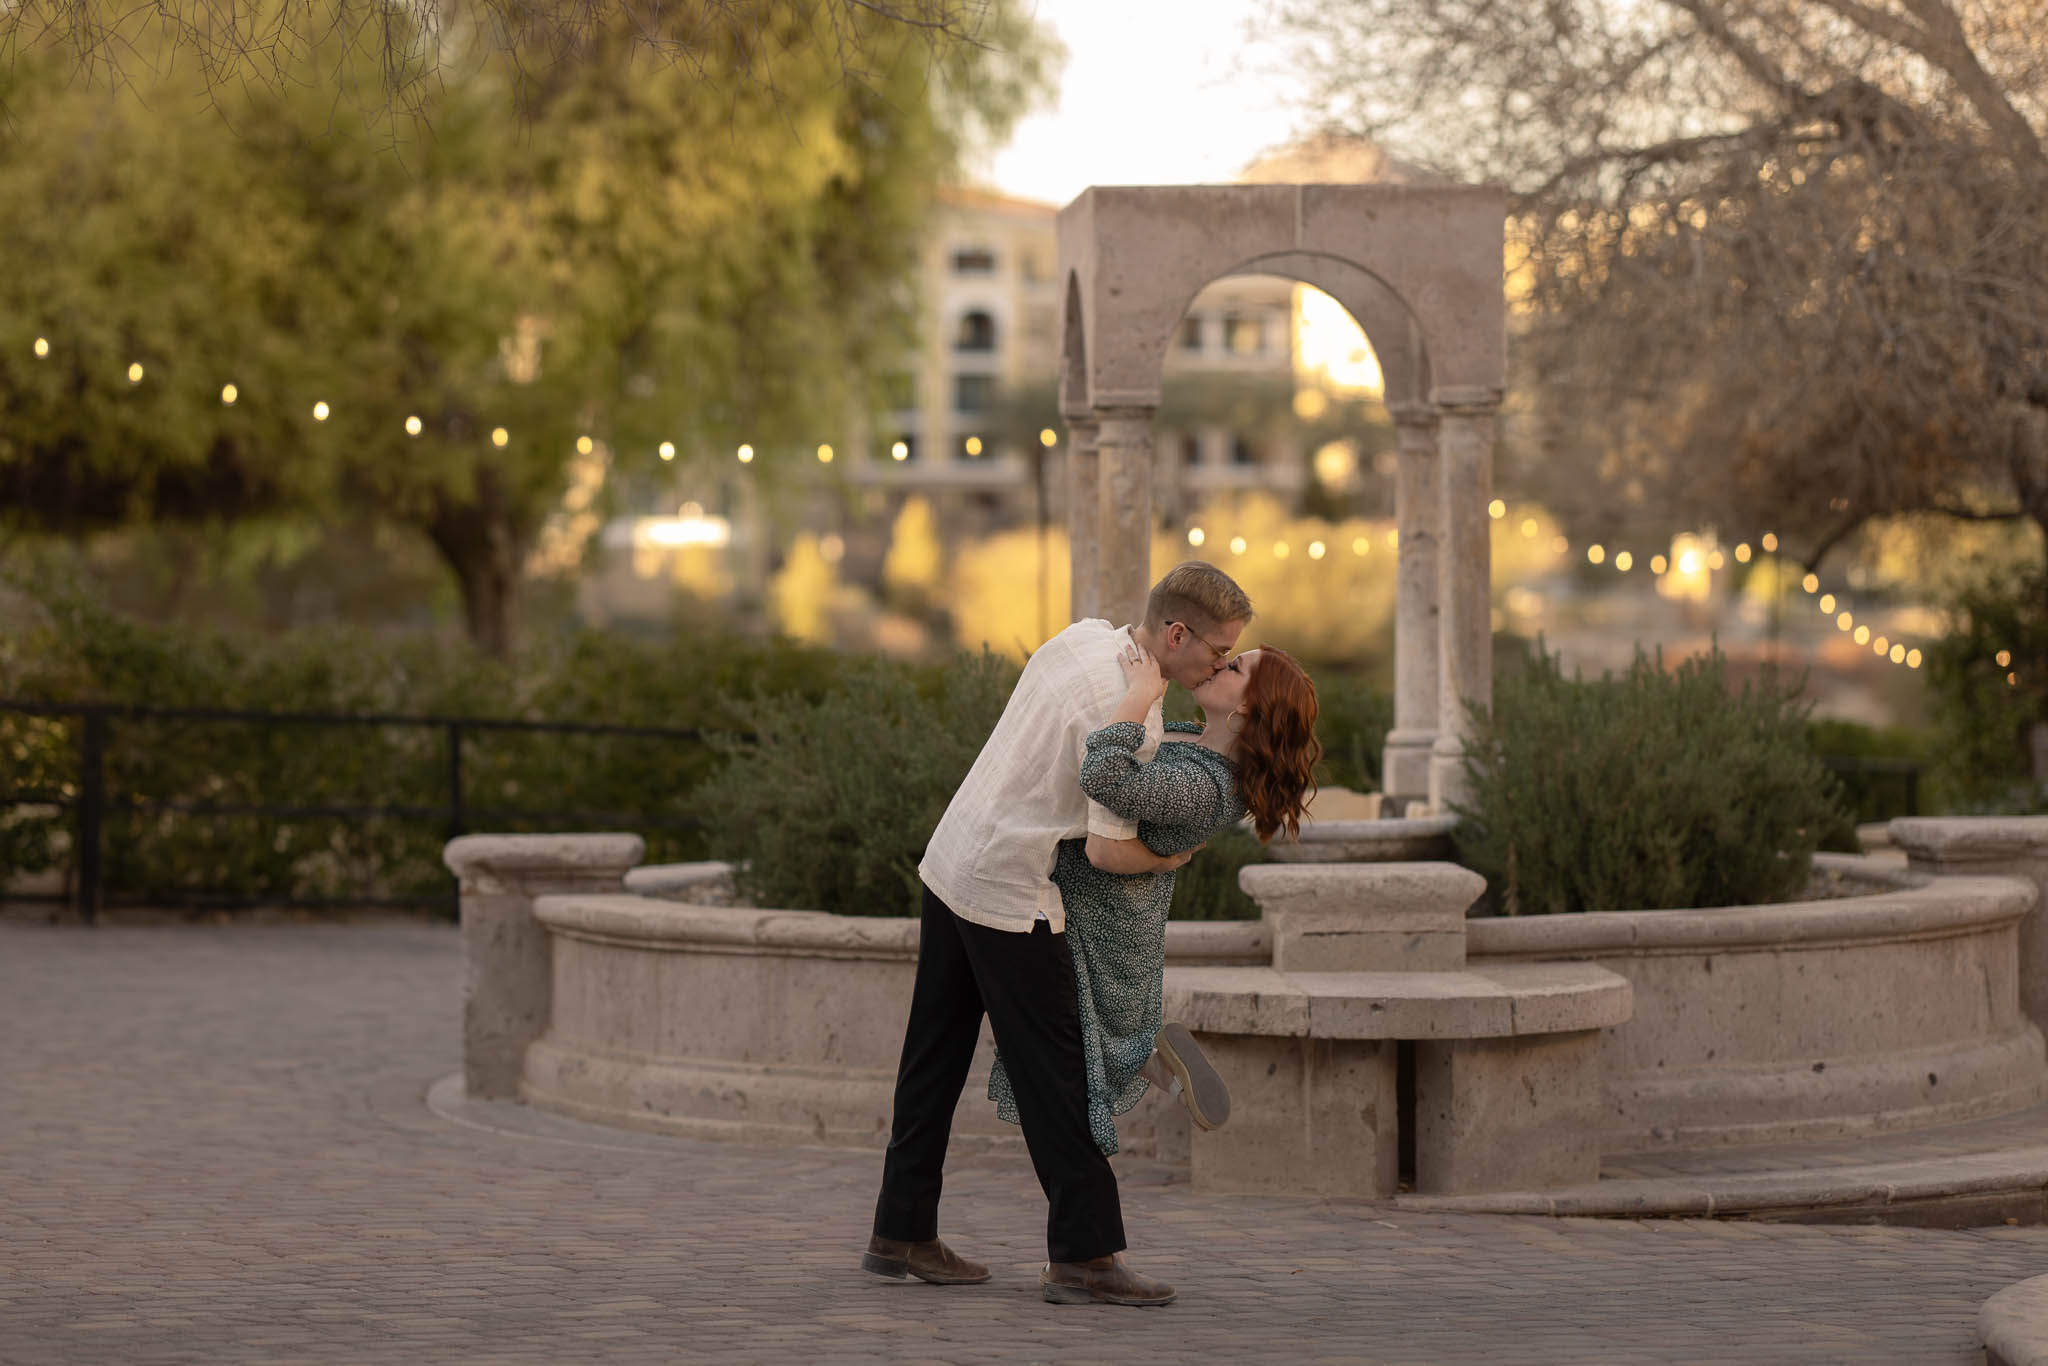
[1420, 267]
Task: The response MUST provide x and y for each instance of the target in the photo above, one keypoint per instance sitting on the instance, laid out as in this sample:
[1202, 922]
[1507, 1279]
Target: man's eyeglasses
[1214, 648]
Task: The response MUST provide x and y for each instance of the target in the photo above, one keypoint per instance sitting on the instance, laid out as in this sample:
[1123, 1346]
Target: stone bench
[1507, 1077]
[1369, 973]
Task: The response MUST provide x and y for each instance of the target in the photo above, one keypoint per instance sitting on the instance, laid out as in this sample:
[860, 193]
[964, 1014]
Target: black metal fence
[90, 804]
[1876, 787]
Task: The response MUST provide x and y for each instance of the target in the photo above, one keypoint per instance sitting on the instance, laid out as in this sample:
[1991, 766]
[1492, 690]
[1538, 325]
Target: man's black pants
[1025, 984]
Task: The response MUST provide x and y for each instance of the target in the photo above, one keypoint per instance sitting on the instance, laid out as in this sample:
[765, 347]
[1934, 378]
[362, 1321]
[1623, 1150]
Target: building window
[1191, 449]
[973, 393]
[1241, 452]
[1191, 333]
[974, 261]
[1244, 336]
[977, 332]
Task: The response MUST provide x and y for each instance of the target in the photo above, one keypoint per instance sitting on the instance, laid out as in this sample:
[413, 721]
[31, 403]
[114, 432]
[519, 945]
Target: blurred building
[962, 430]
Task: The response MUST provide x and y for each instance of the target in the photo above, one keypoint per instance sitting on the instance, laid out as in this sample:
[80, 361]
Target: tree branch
[1948, 47]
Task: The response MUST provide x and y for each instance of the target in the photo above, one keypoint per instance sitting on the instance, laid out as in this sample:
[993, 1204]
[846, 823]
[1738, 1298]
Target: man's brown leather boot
[1106, 1280]
[932, 1261]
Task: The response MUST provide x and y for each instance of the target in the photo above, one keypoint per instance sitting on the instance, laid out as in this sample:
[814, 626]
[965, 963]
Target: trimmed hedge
[830, 809]
[69, 649]
[1646, 791]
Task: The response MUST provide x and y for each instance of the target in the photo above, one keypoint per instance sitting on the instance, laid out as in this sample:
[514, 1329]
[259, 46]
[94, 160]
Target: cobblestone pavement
[214, 1148]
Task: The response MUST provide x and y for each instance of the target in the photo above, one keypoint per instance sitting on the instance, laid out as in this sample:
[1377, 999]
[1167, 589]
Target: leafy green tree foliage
[656, 254]
[1647, 791]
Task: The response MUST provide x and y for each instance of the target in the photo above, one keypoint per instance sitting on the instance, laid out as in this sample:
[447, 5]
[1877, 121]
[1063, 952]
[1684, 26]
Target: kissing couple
[1046, 887]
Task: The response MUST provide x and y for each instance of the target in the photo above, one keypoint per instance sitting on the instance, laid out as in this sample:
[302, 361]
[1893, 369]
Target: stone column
[1464, 579]
[1124, 573]
[1418, 512]
[1980, 846]
[1084, 514]
[508, 960]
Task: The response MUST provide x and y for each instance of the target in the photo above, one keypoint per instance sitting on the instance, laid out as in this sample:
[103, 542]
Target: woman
[1255, 752]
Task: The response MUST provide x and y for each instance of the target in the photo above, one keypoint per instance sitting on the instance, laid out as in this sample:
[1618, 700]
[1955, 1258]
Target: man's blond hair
[1199, 594]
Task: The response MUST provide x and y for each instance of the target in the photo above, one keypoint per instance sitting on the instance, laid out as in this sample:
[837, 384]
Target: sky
[1154, 92]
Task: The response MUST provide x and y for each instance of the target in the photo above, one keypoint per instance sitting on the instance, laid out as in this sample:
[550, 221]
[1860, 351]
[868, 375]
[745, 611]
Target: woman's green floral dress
[1116, 924]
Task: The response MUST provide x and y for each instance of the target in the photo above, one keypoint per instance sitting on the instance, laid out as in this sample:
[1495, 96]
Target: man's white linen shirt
[991, 857]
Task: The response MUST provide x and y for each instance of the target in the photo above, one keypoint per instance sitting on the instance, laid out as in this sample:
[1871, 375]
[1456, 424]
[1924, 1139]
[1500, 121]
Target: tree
[272, 44]
[655, 256]
[1778, 262]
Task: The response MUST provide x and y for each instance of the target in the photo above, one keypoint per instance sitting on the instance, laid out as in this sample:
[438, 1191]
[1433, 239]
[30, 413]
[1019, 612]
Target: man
[993, 941]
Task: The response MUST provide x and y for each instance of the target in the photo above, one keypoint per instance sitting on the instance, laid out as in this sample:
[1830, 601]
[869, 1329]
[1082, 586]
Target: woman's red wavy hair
[1277, 750]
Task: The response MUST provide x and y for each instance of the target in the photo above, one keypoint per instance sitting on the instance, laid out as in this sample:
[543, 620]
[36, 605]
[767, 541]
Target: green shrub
[1645, 791]
[1982, 757]
[64, 647]
[829, 807]
[1206, 886]
[1869, 763]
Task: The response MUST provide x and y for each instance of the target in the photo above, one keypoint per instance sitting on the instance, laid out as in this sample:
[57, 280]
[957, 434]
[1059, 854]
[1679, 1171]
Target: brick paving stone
[215, 1147]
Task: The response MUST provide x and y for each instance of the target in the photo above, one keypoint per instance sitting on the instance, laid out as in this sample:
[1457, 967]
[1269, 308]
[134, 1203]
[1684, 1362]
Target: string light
[2004, 658]
[1496, 509]
[2012, 680]
[1689, 562]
